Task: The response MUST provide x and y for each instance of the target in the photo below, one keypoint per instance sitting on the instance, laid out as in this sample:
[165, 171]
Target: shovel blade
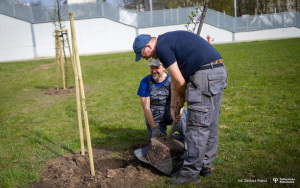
[170, 166]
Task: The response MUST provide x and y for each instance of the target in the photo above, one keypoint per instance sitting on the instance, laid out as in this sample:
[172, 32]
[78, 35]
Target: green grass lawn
[259, 121]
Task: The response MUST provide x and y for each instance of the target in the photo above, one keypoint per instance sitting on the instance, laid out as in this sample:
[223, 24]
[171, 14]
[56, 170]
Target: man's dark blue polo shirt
[188, 49]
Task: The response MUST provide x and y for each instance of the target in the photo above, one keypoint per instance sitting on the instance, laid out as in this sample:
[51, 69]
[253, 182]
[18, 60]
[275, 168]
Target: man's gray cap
[154, 62]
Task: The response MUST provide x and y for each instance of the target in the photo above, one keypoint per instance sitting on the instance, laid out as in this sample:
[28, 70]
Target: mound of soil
[44, 66]
[60, 91]
[161, 148]
[112, 169]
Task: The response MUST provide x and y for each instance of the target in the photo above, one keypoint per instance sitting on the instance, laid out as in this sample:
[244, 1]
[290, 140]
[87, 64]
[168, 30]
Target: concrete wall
[15, 39]
[93, 36]
[44, 38]
[103, 36]
[21, 40]
[218, 35]
[290, 32]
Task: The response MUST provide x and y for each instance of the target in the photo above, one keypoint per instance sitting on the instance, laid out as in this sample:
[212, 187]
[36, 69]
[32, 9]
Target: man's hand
[156, 132]
[173, 111]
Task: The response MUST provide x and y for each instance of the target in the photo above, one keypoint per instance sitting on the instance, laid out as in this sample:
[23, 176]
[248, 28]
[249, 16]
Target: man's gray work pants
[204, 97]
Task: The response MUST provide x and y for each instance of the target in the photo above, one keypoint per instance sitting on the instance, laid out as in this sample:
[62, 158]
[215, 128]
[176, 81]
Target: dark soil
[112, 169]
[161, 148]
[60, 91]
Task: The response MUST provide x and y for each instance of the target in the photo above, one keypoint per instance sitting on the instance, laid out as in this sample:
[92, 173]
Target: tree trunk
[256, 7]
[202, 17]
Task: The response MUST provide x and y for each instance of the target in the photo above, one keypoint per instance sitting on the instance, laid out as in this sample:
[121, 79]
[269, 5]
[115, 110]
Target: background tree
[262, 6]
[36, 3]
[248, 7]
[144, 5]
[197, 19]
[217, 5]
[57, 14]
[136, 5]
[185, 3]
[226, 6]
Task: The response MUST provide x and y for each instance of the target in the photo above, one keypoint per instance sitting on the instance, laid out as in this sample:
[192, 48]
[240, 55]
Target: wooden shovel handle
[174, 123]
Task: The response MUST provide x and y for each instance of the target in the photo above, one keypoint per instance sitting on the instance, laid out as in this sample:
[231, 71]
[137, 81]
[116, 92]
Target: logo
[275, 179]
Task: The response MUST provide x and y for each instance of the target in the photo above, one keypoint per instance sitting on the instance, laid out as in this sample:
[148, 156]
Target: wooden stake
[63, 30]
[57, 59]
[77, 94]
[87, 130]
[61, 61]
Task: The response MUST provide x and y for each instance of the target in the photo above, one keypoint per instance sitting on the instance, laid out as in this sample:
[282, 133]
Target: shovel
[169, 165]
[173, 124]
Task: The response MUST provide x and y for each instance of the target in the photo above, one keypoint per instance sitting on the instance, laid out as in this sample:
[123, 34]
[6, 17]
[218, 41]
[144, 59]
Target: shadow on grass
[118, 138]
[116, 134]
[114, 139]
[39, 138]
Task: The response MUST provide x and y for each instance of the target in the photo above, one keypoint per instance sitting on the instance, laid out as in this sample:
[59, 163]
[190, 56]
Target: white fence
[44, 14]
[27, 33]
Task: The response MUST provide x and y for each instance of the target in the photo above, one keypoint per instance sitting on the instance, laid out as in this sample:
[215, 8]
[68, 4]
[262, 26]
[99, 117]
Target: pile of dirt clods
[112, 169]
[162, 148]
